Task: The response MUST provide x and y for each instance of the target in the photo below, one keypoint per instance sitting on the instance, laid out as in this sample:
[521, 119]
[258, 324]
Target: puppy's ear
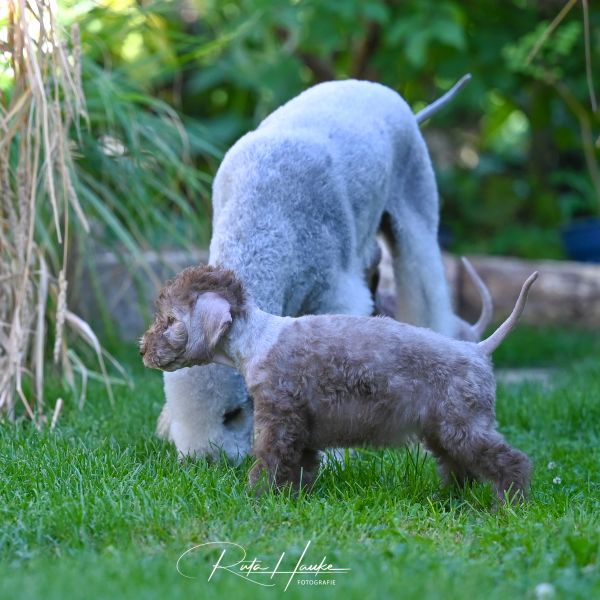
[214, 314]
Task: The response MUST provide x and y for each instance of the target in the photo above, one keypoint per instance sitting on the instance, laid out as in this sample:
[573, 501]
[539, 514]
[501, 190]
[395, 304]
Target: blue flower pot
[581, 240]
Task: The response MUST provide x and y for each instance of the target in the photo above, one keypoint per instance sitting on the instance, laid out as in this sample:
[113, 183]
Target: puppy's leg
[451, 471]
[507, 468]
[280, 435]
[487, 455]
[309, 467]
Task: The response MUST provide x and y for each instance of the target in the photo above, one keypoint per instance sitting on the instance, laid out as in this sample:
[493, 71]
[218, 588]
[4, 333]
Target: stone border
[567, 293]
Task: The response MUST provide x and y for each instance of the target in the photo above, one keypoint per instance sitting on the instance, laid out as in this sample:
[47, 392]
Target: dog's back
[374, 380]
[317, 173]
[356, 133]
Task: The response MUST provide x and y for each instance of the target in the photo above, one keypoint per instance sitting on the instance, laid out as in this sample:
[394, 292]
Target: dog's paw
[258, 480]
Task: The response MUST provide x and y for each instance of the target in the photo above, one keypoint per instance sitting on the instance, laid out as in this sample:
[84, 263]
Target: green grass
[101, 509]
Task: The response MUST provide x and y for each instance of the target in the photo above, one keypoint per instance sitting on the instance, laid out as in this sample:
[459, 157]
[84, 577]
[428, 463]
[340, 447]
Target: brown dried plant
[38, 201]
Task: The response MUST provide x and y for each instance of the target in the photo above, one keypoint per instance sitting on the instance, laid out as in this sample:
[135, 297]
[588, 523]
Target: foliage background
[508, 152]
[169, 85]
[101, 505]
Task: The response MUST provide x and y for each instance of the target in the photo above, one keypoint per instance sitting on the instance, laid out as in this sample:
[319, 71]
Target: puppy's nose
[142, 349]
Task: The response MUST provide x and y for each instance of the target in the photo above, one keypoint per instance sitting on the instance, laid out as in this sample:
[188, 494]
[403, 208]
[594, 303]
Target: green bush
[515, 170]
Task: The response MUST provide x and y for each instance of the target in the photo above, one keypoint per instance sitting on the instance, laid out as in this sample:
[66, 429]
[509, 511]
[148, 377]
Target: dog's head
[193, 313]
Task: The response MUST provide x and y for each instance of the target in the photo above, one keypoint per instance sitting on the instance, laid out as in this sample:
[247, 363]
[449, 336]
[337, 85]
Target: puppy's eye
[170, 320]
[230, 416]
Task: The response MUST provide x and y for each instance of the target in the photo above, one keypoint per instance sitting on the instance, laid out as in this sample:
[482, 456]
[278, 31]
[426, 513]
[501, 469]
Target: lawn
[100, 508]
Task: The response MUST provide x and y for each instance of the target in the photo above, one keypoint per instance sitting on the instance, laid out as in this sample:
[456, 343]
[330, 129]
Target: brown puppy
[336, 380]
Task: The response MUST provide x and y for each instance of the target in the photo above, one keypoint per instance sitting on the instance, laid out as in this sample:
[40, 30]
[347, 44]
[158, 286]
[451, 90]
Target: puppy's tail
[430, 110]
[490, 344]
[487, 308]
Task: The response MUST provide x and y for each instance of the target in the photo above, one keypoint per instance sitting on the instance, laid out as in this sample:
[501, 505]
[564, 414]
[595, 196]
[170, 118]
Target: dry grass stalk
[36, 198]
[57, 408]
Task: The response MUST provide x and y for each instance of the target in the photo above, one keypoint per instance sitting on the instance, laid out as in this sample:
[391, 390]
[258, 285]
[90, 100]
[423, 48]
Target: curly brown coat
[337, 380]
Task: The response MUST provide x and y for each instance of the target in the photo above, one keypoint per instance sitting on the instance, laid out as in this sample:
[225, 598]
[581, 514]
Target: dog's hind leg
[422, 295]
[410, 228]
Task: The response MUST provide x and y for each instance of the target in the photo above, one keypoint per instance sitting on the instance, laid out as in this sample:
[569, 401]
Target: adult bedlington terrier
[322, 381]
[297, 205]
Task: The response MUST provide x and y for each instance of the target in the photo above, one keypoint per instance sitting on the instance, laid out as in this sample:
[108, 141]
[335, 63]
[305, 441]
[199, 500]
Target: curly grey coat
[339, 380]
[297, 204]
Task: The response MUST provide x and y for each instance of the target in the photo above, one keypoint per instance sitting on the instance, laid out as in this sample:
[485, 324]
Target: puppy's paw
[258, 480]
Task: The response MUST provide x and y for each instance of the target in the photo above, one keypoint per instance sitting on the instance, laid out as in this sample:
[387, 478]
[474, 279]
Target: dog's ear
[214, 314]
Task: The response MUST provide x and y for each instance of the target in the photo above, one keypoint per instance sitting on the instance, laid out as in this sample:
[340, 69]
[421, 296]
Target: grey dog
[337, 380]
[297, 206]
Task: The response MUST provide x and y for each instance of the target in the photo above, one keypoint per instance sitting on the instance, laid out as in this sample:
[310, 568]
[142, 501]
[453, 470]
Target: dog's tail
[491, 343]
[430, 110]
[487, 308]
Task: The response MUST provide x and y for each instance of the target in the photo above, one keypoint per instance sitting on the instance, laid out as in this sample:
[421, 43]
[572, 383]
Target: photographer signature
[233, 559]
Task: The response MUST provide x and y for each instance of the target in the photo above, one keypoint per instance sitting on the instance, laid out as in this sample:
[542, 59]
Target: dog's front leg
[280, 434]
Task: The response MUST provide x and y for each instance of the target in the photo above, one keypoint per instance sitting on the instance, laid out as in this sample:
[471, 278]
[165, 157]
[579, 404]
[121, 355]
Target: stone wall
[566, 293]
[124, 295]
